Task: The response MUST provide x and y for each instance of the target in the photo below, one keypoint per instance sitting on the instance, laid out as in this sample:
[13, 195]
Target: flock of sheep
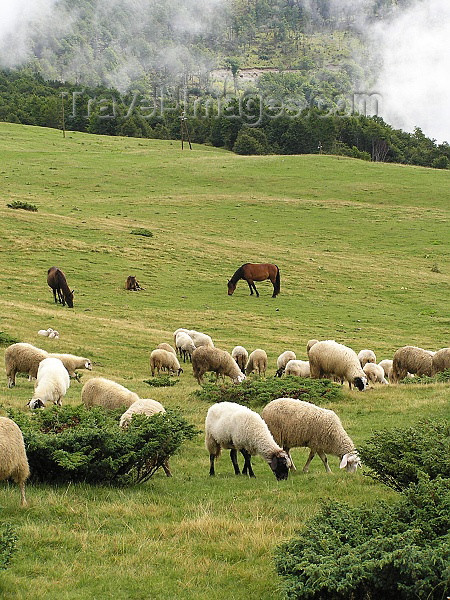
[285, 423]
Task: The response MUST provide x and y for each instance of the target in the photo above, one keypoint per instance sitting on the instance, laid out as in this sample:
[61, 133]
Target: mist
[414, 80]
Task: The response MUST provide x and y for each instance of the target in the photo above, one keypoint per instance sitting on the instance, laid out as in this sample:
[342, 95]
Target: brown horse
[252, 272]
[132, 284]
[57, 281]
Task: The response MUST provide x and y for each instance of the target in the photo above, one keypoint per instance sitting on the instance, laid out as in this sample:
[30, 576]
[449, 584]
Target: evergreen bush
[76, 444]
[398, 552]
[398, 457]
[7, 544]
[258, 392]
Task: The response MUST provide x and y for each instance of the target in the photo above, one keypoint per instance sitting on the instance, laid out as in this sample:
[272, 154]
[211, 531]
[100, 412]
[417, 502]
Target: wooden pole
[62, 110]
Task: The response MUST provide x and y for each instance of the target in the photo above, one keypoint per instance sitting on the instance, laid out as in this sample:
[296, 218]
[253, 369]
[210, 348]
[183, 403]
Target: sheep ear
[344, 461]
[273, 463]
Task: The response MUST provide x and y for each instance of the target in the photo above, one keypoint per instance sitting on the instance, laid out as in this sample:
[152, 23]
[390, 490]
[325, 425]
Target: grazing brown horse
[57, 281]
[252, 272]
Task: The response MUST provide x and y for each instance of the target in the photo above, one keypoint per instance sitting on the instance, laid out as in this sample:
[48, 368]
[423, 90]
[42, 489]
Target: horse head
[231, 287]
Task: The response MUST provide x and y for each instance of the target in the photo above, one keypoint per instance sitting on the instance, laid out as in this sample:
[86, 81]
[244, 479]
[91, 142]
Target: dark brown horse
[132, 284]
[57, 281]
[252, 272]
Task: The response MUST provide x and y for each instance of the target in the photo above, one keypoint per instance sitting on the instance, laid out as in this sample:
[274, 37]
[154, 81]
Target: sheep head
[360, 383]
[280, 464]
[36, 403]
[350, 462]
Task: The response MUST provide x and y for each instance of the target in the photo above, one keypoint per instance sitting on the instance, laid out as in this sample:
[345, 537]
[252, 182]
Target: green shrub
[162, 381]
[258, 392]
[251, 141]
[22, 205]
[6, 339]
[442, 377]
[398, 552]
[398, 457]
[142, 231]
[75, 444]
[7, 544]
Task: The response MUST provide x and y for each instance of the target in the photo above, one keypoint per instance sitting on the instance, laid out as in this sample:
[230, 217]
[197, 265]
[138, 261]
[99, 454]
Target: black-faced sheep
[220, 362]
[283, 360]
[52, 383]
[366, 356]
[162, 360]
[14, 462]
[22, 358]
[299, 368]
[374, 373]
[328, 358]
[295, 423]
[440, 361]
[148, 407]
[240, 355]
[411, 359]
[257, 361]
[237, 428]
[109, 394]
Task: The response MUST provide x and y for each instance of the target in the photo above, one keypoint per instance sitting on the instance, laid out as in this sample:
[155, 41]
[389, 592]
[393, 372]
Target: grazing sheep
[167, 347]
[235, 427]
[240, 355]
[184, 345]
[200, 339]
[72, 362]
[411, 359]
[309, 345]
[109, 394]
[148, 407]
[212, 359]
[22, 358]
[176, 332]
[295, 423]
[283, 360]
[161, 360]
[52, 383]
[374, 373]
[386, 365]
[299, 368]
[14, 462]
[257, 361]
[328, 358]
[440, 361]
[366, 356]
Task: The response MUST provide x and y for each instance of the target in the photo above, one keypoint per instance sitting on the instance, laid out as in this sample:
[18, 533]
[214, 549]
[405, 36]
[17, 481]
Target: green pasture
[363, 250]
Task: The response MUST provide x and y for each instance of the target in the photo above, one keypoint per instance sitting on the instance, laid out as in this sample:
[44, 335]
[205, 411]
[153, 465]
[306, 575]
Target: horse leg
[250, 283]
[254, 287]
[54, 295]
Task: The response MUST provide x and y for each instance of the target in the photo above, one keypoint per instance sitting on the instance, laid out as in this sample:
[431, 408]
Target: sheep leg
[324, 459]
[233, 456]
[310, 457]
[288, 452]
[247, 464]
[211, 465]
[12, 379]
[23, 501]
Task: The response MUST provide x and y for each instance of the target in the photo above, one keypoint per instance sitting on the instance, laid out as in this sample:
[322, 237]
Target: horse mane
[239, 274]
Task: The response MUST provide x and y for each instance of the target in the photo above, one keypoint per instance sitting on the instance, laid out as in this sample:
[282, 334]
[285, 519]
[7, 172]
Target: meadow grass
[357, 244]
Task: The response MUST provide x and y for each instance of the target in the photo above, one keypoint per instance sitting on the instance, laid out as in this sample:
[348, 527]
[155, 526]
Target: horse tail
[276, 287]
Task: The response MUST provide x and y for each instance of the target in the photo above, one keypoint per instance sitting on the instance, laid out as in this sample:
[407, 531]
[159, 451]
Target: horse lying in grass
[252, 272]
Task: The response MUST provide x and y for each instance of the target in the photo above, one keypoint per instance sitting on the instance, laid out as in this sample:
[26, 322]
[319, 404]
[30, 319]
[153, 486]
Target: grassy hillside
[363, 253]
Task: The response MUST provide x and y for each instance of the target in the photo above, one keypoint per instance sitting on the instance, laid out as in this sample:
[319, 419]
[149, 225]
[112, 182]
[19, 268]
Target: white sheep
[299, 368]
[219, 361]
[440, 361]
[184, 345]
[240, 355]
[168, 347]
[295, 423]
[22, 358]
[257, 361]
[386, 365]
[200, 339]
[72, 362]
[14, 462]
[283, 360]
[374, 373]
[148, 407]
[52, 383]
[109, 394]
[411, 359]
[235, 427]
[310, 344]
[45, 332]
[366, 356]
[176, 332]
[328, 358]
[162, 360]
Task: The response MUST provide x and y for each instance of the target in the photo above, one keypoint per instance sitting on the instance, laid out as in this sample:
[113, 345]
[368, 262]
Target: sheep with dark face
[283, 360]
[52, 383]
[218, 361]
[237, 428]
[328, 358]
